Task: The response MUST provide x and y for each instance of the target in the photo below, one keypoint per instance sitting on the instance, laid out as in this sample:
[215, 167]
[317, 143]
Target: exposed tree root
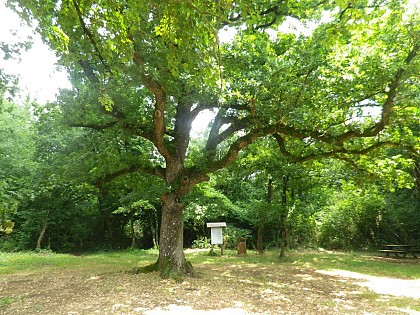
[171, 271]
[168, 271]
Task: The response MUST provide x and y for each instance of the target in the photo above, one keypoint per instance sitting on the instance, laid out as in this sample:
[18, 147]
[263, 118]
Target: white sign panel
[216, 235]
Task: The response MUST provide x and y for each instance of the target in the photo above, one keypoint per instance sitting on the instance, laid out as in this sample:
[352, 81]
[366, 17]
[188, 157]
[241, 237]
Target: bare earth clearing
[234, 289]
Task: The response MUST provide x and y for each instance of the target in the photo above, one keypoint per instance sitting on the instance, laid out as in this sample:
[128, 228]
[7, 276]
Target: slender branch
[157, 171]
[238, 107]
[351, 6]
[275, 12]
[88, 33]
[94, 126]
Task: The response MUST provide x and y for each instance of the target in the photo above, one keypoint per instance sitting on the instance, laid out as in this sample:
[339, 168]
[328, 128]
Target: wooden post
[241, 246]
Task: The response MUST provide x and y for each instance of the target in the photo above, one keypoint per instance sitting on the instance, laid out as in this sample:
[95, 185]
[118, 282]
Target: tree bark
[172, 262]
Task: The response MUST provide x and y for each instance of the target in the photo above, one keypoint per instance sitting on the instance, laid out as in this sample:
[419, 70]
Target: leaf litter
[234, 289]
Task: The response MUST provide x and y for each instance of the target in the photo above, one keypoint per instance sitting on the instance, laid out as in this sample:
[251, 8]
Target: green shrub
[201, 242]
[231, 235]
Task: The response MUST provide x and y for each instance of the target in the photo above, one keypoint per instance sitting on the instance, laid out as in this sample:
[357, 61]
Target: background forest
[314, 140]
[50, 193]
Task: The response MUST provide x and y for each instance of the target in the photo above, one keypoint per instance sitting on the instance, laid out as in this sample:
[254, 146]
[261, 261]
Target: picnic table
[399, 250]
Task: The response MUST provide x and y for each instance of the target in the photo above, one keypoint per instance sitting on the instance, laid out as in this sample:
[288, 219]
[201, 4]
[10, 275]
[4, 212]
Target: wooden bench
[388, 252]
[399, 250]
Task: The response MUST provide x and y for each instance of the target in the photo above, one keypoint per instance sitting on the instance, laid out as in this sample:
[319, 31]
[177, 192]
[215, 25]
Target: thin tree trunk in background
[270, 191]
[283, 216]
[43, 230]
[102, 235]
[154, 225]
[417, 176]
[132, 232]
[260, 233]
[260, 244]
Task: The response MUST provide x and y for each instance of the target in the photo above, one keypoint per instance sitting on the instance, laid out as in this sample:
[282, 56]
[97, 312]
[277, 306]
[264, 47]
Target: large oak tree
[344, 83]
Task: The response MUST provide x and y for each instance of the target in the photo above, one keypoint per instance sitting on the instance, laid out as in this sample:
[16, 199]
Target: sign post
[216, 229]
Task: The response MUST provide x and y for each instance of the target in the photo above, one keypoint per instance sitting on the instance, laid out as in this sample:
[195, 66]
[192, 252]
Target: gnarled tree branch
[156, 171]
[332, 153]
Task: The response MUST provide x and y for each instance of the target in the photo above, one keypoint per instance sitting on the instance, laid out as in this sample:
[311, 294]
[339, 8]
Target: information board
[216, 235]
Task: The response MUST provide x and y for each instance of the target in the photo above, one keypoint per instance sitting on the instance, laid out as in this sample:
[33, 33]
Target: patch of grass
[366, 263]
[405, 303]
[231, 257]
[29, 261]
[6, 301]
[41, 262]
[361, 262]
[400, 303]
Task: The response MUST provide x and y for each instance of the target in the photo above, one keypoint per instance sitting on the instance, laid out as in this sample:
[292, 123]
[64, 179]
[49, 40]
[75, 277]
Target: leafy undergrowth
[48, 283]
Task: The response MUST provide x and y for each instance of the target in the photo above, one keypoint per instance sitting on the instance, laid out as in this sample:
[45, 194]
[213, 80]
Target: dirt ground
[232, 290]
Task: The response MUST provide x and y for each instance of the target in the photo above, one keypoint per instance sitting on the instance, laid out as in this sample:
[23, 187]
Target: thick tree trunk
[172, 262]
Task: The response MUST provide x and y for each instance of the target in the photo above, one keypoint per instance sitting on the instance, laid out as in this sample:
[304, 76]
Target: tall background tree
[345, 86]
[16, 160]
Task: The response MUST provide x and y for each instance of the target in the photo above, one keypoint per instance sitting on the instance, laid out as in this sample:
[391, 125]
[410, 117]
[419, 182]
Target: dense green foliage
[314, 139]
[328, 204]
